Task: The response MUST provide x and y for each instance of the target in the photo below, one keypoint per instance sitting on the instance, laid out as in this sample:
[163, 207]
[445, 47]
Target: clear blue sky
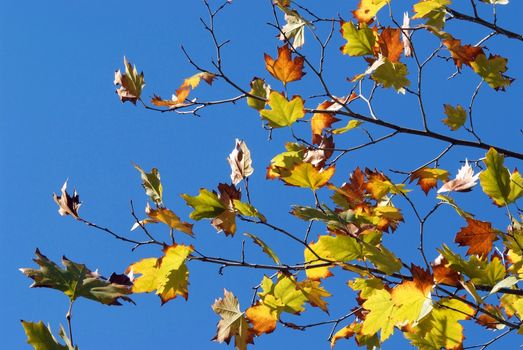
[60, 118]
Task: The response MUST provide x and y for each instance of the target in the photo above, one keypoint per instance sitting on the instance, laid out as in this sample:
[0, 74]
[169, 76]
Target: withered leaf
[131, 83]
[240, 162]
[67, 205]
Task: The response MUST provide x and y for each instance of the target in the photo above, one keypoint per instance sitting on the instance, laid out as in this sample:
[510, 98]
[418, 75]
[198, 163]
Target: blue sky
[60, 119]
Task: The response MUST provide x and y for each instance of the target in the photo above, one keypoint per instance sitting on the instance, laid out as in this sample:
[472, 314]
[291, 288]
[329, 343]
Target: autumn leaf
[282, 163]
[367, 10]
[321, 121]
[206, 205]
[168, 275]
[294, 28]
[67, 205]
[165, 216]
[152, 184]
[262, 317]
[478, 236]
[488, 321]
[456, 116]
[428, 177]
[344, 333]
[266, 249]
[351, 124]
[40, 337]
[406, 34]
[462, 54]
[390, 44]
[226, 220]
[432, 10]
[131, 83]
[314, 293]
[443, 274]
[307, 176]
[318, 156]
[463, 182]
[492, 71]
[247, 209]
[497, 181]
[75, 281]
[393, 75]
[240, 162]
[283, 112]
[284, 68]
[260, 90]
[232, 322]
[360, 41]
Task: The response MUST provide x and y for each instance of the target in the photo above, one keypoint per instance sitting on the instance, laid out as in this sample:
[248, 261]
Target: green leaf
[266, 249]
[352, 124]
[283, 112]
[497, 182]
[307, 176]
[332, 219]
[247, 209]
[260, 89]
[360, 42]
[448, 200]
[75, 281]
[456, 117]
[492, 71]
[206, 205]
[382, 258]
[392, 75]
[433, 11]
[282, 296]
[152, 184]
[40, 337]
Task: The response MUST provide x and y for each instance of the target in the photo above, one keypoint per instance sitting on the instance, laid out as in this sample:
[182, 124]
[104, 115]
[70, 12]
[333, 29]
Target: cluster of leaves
[391, 295]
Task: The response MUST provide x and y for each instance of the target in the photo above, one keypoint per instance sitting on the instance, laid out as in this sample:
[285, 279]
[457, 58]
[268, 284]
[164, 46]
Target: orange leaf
[263, 319]
[284, 68]
[462, 54]
[321, 121]
[390, 44]
[367, 10]
[428, 177]
[443, 274]
[478, 236]
[488, 321]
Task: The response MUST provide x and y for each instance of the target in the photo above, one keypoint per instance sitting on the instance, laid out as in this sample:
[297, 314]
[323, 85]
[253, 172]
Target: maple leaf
[318, 156]
[165, 216]
[152, 184]
[463, 182]
[367, 10]
[283, 112]
[284, 68]
[282, 163]
[321, 121]
[393, 75]
[497, 181]
[360, 41]
[266, 249]
[492, 71]
[344, 333]
[75, 281]
[67, 205]
[247, 209]
[40, 337]
[307, 176]
[262, 317]
[294, 28]
[443, 274]
[260, 90]
[428, 177]
[413, 298]
[168, 275]
[131, 83]
[488, 321]
[462, 54]
[456, 116]
[432, 10]
[390, 44]
[314, 293]
[240, 162]
[478, 236]
[232, 323]
[206, 205]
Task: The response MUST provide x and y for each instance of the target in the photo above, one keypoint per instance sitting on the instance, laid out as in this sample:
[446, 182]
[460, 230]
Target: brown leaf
[131, 83]
[464, 181]
[67, 205]
[320, 121]
[488, 321]
[240, 162]
[319, 156]
[226, 221]
[284, 68]
[443, 274]
[263, 318]
[478, 236]
[462, 54]
[428, 177]
[178, 99]
[390, 44]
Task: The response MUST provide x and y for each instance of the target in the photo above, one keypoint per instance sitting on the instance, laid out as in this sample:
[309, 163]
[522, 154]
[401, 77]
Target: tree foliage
[429, 302]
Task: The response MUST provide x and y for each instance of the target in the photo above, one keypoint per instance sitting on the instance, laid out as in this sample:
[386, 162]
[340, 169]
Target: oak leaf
[168, 275]
[232, 323]
[283, 112]
[463, 182]
[67, 205]
[131, 83]
[284, 68]
[240, 162]
[478, 236]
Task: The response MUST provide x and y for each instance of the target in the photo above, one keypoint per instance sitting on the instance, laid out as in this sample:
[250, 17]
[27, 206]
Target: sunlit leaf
[206, 205]
[492, 70]
[67, 205]
[478, 236]
[283, 112]
[152, 184]
[367, 10]
[40, 337]
[456, 117]
[261, 90]
[240, 162]
[306, 175]
[393, 75]
[360, 41]
[131, 83]
[463, 182]
[284, 68]
[266, 249]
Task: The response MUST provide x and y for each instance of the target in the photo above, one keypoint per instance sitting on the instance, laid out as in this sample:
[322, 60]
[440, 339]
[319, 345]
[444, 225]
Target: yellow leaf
[168, 275]
[262, 317]
[307, 176]
[283, 112]
[367, 10]
[284, 68]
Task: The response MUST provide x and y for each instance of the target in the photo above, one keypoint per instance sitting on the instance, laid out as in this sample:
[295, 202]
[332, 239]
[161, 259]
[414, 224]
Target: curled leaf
[131, 83]
[464, 181]
[240, 162]
[67, 205]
